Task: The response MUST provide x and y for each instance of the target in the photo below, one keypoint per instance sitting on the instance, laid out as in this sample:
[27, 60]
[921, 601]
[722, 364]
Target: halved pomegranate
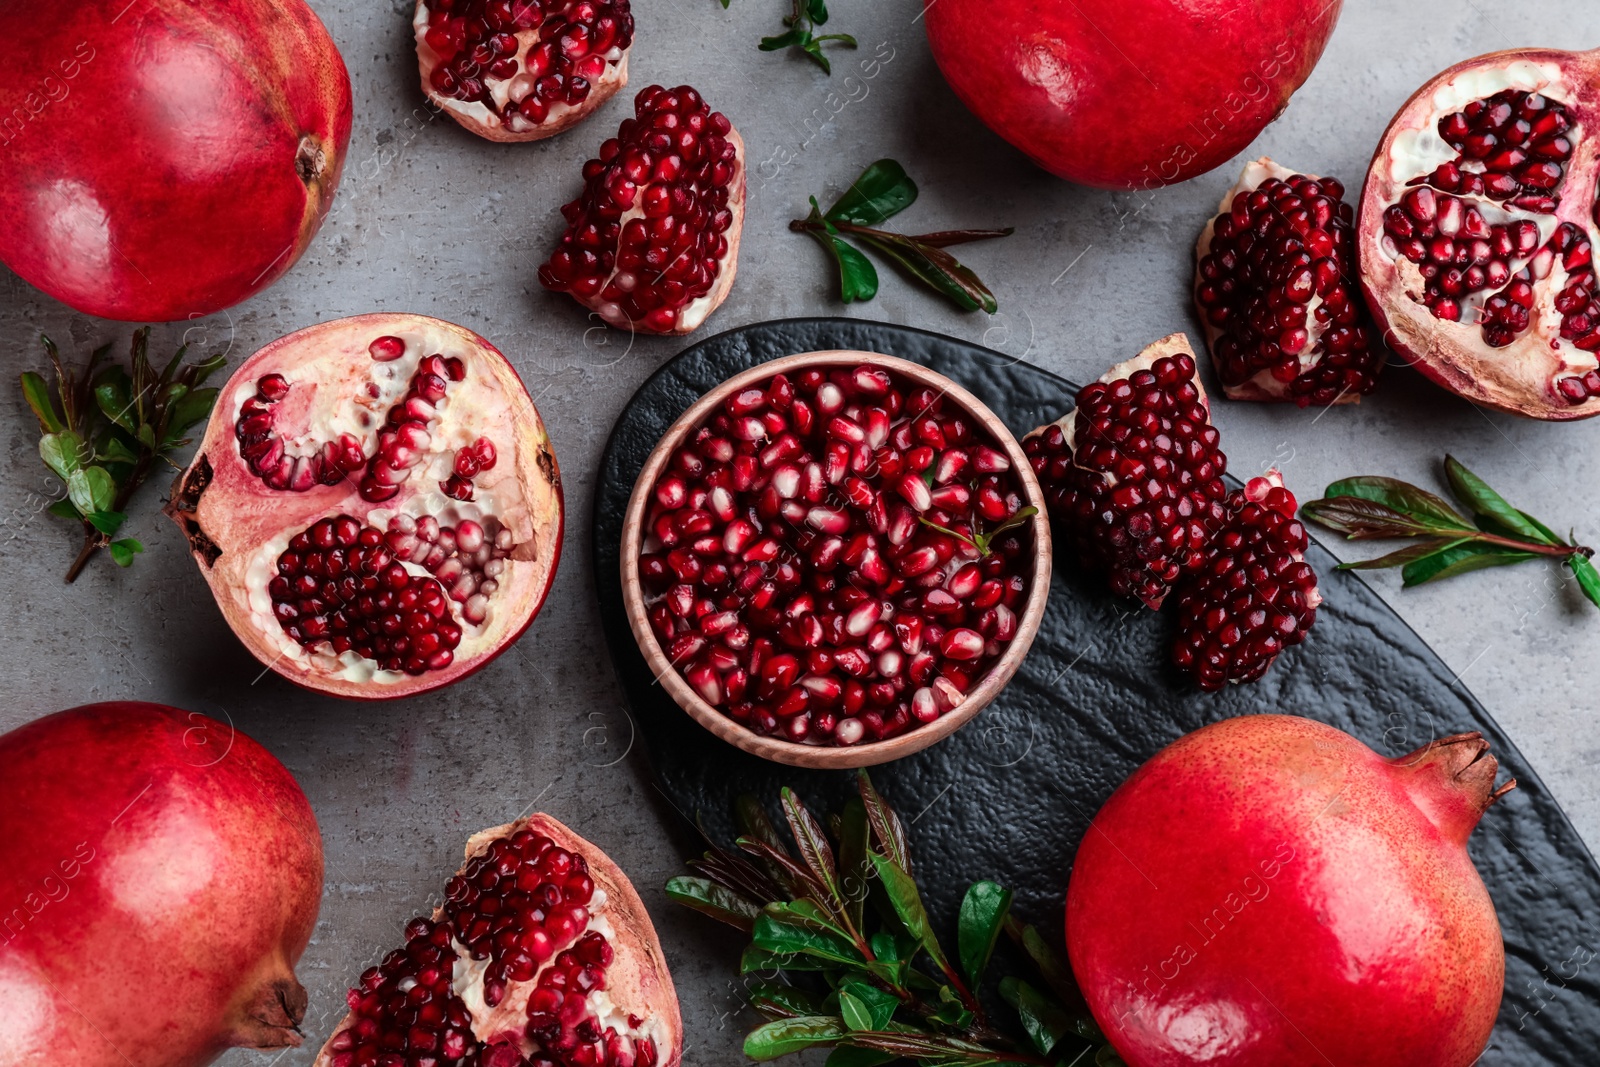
[1276, 286]
[1134, 473]
[375, 505]
[1477, 229]
[652, 244]
[522, 70]
[542, 955]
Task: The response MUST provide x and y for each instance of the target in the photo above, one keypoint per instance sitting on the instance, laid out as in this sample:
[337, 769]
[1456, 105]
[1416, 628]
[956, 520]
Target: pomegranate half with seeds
[375, 505]
[1277, 288]
[835, 549]
[522, 70]
[542, 955]
[1477, 231]
[652, 244]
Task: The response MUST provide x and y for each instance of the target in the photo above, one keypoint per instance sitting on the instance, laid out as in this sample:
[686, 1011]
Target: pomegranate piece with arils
[522, 70]
[375, 505]
[652, 244]
[1277, 288]
[836, 558]
[1134, 473]
[1477, 232]
[1316, 902]
[542, 955]
[1254, 596]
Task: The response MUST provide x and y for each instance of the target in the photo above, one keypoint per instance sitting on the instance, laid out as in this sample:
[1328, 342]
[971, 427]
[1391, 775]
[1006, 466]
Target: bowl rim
[796, 754]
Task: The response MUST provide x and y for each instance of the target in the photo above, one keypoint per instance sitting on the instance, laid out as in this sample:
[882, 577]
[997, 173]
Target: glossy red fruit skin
[1128, 94]
[1267, 890]
[162, 877]
[169, 159]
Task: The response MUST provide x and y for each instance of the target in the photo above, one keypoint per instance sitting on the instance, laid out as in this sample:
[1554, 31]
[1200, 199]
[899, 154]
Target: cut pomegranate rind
[1477, 260]
[1140, 496]
[1290, 325]
[652, 243]
[544, 878]
[328, 509]
[522, 70]
[1254, 596]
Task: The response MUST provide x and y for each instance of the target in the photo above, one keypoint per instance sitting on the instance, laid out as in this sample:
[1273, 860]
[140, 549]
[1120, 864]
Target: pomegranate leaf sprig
[882, 191]
[105, 427]
[1449, 543]
[875, 983]
[801, 34]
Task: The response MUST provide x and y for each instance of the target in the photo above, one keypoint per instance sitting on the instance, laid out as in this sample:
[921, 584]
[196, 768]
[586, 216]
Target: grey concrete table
[433, 220]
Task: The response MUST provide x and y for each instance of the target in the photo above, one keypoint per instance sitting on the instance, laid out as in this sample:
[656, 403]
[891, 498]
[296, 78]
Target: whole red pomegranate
[542, 955]
[165, 159]
[162, 878]
[1268, 890]
[1128, 94]
[375, 505]
[1477, 229]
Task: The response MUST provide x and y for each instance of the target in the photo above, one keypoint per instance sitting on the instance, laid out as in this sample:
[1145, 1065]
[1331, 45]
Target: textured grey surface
[432, 220]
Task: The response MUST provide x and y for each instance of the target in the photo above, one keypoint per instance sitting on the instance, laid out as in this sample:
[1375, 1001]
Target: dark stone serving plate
[1008, 797]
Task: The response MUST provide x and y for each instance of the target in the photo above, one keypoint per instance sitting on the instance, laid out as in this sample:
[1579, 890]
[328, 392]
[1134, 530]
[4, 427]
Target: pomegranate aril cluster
[1253, 597]
[552, 52]
[1280, 283]
[405, 1012]
[1138, 492]
[1514, 147]
[648, 235]
[797, 567]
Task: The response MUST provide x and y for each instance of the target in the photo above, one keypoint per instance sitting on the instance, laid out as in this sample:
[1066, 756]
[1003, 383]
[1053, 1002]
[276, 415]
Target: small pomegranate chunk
[522, 70]
[1133, 475]
[652, 243]
[351, 512]
[1254, 595]
[838, 557]
[1477, 232]
[1277, 288]
[542, 955]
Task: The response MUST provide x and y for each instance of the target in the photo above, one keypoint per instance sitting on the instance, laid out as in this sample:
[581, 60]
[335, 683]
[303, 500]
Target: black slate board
[1010, 796]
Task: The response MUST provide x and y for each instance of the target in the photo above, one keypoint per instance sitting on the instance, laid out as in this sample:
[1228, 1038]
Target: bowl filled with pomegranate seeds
[835, 559]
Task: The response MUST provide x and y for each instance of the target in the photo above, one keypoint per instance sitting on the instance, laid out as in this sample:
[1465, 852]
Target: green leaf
[813, 48]
[147, 436]
[797, 35]
[708, 898]
[907, 903]
[759, 961]
[1583, 570]
[786, 929]
[886, 828]
[786, 998]
[937, 269]
[874, 1006]
[113, 393]
[855, 871]
[122, 552]
[189, 409]
[113, 450]
[815, 851]
[858, 278]
[848, 1056]
[1057, 976]
[1458, 559]
[854, 1013]
[817, 11]
[1045, 1021]
[952, 1011]
[66, 510]
[983, 913]
[1490, 505]
[62, 452]
[1359, 518]
[91, 489]
[1400, 496]
[882, 190]
[107, 522]
[1409, 554]
[38, 396]
[783, 1036]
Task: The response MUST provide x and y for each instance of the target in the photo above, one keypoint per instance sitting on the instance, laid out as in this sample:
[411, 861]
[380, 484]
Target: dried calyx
[375, 505]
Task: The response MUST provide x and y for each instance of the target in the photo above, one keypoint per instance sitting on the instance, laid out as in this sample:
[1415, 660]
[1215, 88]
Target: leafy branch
[105, 426]
[981, 540]
[882, 191]
[801, 34]
[1448, 543]
[843, 953]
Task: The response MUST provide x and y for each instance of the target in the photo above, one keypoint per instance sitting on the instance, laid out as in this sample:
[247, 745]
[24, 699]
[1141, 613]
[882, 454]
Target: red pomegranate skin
[1269, 891]
[162, 875]
[1128, 94]
[165, 159]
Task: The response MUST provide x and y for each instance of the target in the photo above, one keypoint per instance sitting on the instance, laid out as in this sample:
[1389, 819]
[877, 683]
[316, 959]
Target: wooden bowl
[826, 756]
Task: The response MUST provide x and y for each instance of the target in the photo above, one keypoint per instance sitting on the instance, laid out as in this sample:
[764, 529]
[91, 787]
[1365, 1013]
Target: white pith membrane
[1525, 375]
[505, 121]
[635, 1012]
[240, 526]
